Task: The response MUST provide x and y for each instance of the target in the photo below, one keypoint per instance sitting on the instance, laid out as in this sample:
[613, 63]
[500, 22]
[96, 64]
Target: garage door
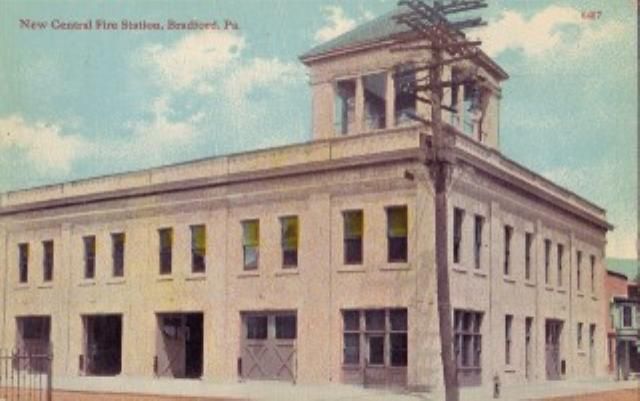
[269, 346]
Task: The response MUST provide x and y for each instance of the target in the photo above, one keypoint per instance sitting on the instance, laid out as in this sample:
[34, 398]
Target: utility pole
[447, 45]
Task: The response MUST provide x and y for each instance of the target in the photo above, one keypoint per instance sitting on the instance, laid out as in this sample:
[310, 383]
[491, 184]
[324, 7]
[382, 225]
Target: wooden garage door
[269, 346]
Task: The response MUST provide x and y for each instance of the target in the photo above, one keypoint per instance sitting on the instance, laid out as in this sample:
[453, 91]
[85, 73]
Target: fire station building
[315, 262]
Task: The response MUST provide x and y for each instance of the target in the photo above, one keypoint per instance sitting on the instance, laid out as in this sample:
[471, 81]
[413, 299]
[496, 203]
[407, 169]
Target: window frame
[458, 224]
[547, 261]
[165, 251]
[468, 354]
[89, 256]
[117, 255]
[579, 341]
[353, 239]
[560, 264]
[250, 245]
[508, 237]
[48, 255]
[508, 339]
[198, 252]
[395, 240]
[579, 270]
[23, 263]
[289, 248]
[478, 227]
[528, 245]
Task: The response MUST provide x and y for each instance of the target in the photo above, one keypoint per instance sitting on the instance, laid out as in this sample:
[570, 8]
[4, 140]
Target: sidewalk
[195, 390]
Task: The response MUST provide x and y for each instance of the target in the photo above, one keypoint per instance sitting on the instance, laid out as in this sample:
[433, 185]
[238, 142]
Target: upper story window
[353, 230]
[89, 243]
[117, 254]
[508, 324]
[289, 234]
[593, 273]
[23, 263]
[579, 270]
[508, 233]
[579, 335]
[405, 98]
[165, 236]
[627, 316]
[528, 242]
[251, 243]
[477, 241]
[470, 109]
[547, 260]
[560, 265]
[345, 106]
[375, 101]
[47, 260]
[397, 234]
[198, 248]
[458, 217]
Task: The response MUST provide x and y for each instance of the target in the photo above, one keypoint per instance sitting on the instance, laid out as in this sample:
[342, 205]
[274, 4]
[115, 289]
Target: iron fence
[25, 375]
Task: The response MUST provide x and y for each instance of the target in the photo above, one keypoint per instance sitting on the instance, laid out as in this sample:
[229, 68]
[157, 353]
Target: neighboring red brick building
[616, 285]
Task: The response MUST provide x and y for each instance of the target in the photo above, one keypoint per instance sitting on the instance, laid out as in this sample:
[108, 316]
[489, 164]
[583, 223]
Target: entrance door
[33, 339]
[179, 345]
[553, 329]
[103, 345]
[269, 346]
[528, 352]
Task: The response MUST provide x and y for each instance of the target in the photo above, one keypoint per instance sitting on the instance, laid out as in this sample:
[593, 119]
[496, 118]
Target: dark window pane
[351, 348]
[398, 349]
[47, 261]
[398, 318]
[345, 106]
[289, 258]
[458, 215]
[198, 248]
[117, 252]
[398, 249]
[256, 327]
[289, 234]
[351, 320]
[251, 255]
[166, 245]
[23, 262]
[405, 98]
[286, 327]
[376, 350]
[374, 320]
[353, 251]
[89, 257]
[353, 230]
[374, 87]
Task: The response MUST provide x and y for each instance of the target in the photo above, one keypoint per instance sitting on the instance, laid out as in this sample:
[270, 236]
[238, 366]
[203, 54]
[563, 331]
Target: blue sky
[76, 104]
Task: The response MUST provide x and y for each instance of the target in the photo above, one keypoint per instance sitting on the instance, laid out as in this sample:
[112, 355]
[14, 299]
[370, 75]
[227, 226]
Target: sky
[81, 103]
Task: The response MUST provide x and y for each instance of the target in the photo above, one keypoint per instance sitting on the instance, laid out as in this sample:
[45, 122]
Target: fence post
[50, 373]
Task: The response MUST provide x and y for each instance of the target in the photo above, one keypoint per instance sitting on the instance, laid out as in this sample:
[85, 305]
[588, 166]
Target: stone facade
[367, 170]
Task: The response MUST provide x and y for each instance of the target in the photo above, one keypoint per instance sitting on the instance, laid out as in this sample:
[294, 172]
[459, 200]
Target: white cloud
[337, 23]
[555, 28]
[193, 60]
[46, 147]
[259, 73]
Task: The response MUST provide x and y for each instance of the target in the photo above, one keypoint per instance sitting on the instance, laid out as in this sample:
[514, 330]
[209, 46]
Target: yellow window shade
[290, 232]
[251, 232]
[353, 223]
[397, 221]
[198, 237]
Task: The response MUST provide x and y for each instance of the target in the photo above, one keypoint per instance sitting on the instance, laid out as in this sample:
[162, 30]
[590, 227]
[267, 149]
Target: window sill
[249, 273]
[459, 269]
[45, 285]
[24, 286]
[480, 273]
[164, 278]
[593, 297]
[561, 290]
[509, 369]
[580, 295]
[508, 279]
[582, 352]
[548, 288]
[351, 367]
[530, 284]
[398, 267]
[116, 281]
[87, 283]
[196, 277]
[347, 269]
[287, 272]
